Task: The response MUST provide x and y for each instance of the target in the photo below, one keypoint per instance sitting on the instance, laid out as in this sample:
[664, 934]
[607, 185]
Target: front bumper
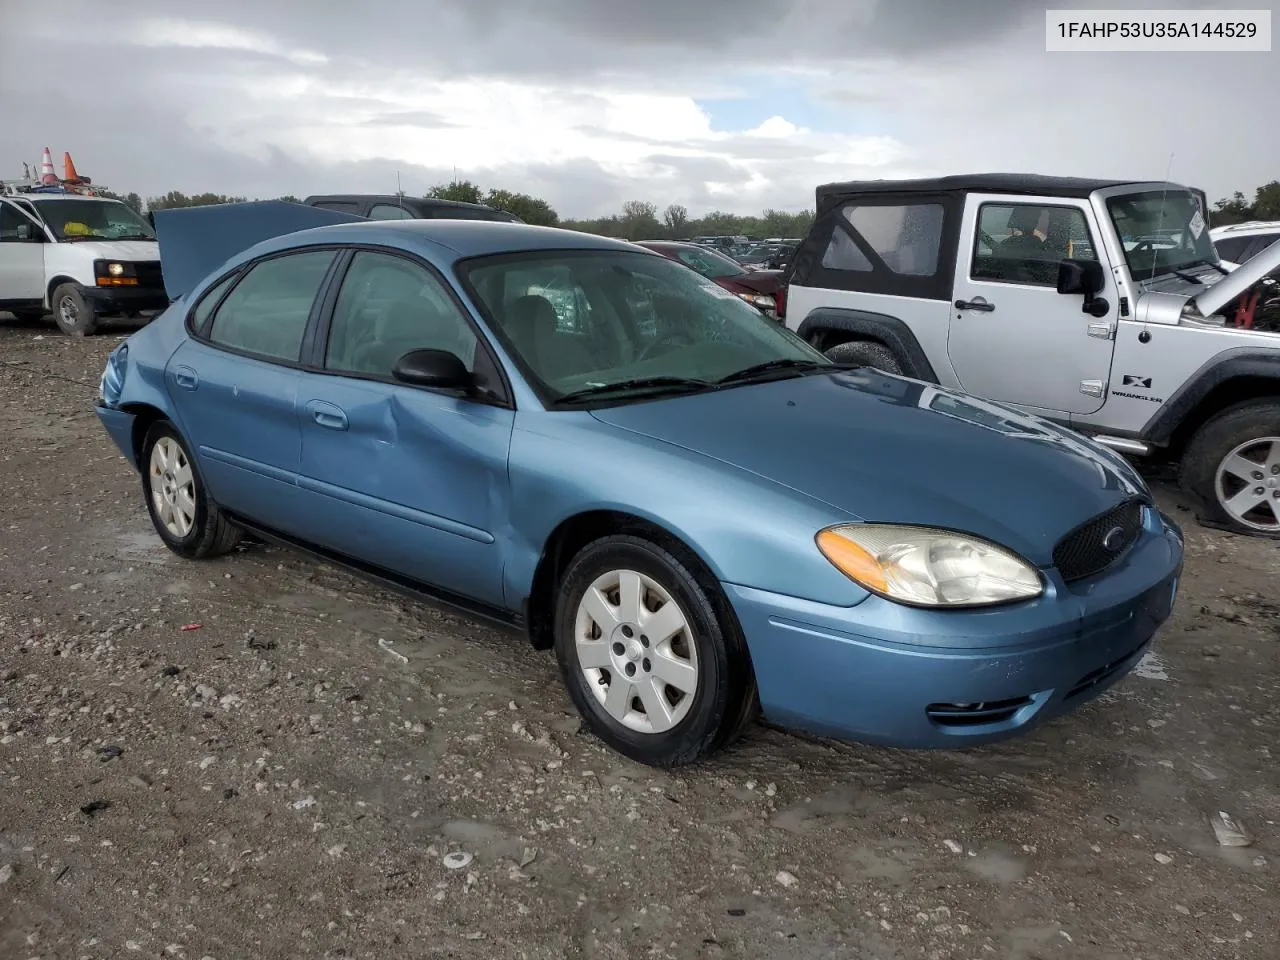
[897, 676]
[112, 301]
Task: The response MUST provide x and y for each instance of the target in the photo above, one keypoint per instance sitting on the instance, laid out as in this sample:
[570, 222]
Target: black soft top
[1013, 183]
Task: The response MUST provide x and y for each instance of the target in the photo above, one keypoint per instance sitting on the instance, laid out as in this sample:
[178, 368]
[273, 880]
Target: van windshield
[1161, 231]
[88, 219]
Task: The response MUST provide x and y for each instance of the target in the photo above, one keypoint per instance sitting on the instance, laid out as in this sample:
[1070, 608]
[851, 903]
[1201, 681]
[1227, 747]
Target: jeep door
[1012, 337]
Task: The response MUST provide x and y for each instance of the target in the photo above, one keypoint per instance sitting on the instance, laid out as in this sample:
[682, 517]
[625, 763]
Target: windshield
[1161, 231]
[710, 263]
[93, 220]
[583, 319]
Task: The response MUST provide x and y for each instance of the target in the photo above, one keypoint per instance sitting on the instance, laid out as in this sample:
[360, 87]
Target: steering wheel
[671, 337]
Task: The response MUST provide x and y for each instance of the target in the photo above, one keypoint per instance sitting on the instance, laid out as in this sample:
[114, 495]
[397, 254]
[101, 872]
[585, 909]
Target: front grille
[149, 273]
[1095, 545]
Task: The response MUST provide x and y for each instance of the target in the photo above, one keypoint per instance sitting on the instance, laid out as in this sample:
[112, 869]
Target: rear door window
[266, 314]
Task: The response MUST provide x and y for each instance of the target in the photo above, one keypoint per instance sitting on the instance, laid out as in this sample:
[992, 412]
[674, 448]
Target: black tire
[72, 313]
[866, 353]
[725, 700]
[211, 534]
[1212, 444]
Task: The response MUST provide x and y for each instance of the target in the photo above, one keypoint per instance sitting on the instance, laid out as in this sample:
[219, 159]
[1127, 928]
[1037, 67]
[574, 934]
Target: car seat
[533, 327]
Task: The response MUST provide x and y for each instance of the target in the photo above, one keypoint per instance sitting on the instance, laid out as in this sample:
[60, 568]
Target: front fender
[747, 530]
[891, 331]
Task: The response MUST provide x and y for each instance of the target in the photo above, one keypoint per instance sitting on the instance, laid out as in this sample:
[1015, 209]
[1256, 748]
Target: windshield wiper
[774, 366]
[134, 236]
[637, 385]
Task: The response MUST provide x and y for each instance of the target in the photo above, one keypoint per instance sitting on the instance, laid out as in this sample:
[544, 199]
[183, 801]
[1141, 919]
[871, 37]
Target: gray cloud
[964, 85]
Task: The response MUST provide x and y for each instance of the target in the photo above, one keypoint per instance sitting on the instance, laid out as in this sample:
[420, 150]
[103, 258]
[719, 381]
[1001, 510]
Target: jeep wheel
[1232, 466]
[73, 314]
[866, 353]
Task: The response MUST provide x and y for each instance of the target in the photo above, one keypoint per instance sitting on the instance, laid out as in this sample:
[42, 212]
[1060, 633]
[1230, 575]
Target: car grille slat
[1096, 544]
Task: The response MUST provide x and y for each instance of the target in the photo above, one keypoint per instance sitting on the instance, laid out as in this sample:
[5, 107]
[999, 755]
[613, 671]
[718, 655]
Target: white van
[80, 258]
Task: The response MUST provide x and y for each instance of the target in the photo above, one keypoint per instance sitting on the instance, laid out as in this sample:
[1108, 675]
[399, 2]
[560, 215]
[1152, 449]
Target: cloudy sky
[716, 104]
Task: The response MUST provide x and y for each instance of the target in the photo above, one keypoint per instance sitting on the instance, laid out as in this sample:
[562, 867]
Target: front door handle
[327, 415]
[186, 378]
[977, 303]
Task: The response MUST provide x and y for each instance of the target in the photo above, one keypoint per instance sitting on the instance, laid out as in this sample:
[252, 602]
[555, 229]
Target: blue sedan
[703, 517]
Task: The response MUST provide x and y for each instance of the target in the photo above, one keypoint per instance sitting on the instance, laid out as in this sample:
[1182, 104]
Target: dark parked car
[392, 207]
[760, 288]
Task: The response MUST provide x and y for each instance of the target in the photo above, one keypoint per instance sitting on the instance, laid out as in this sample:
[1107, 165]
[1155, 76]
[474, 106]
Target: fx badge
[1143, 383]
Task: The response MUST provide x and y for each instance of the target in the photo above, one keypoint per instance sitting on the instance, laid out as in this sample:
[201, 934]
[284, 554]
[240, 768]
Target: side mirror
[1084, 277]
[439, 369]
[1081, 277]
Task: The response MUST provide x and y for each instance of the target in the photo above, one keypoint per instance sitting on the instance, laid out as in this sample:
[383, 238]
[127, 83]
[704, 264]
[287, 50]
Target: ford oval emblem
[1113, 539]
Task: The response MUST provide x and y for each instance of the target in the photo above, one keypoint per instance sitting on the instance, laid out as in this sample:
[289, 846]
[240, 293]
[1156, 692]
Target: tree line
[641, 220]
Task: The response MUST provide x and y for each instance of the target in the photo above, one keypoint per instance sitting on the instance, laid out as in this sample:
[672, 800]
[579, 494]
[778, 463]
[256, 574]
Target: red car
[760, 288]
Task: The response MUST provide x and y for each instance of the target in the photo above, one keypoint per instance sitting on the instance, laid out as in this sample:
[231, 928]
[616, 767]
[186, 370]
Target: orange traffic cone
[69, 169]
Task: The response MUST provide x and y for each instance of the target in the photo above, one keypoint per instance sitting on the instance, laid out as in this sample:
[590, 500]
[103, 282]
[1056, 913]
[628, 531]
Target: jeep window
[907, 238]
[93, 220]
[387, 211]
[1161, 231]
[1024, 242]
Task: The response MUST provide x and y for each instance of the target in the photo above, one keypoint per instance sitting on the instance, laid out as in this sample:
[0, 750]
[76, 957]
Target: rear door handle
[977, 303]
[186, 378]
[327, 415]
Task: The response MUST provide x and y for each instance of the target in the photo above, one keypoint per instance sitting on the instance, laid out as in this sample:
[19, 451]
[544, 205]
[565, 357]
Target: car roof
[1012, 183]
[461, 238]
[395, 201]
[1244, 229]
[60, 197]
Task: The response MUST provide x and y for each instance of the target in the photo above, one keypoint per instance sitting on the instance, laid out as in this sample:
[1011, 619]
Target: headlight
[922, 566]
[761, 300]
[115, 269]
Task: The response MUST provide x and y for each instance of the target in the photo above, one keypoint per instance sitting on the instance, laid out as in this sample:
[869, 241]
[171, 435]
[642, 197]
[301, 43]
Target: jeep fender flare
[1234, 364]
[865, 325]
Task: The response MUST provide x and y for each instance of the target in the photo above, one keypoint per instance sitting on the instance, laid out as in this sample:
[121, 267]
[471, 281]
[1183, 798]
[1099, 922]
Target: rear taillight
[781, 297]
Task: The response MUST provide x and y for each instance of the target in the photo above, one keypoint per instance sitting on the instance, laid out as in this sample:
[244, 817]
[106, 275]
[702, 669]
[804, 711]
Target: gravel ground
[261, 757]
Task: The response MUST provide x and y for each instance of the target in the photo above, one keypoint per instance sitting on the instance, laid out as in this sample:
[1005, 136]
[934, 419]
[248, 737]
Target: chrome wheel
[68, 312]
[1247, 484]
[634, 646]
[173, 487]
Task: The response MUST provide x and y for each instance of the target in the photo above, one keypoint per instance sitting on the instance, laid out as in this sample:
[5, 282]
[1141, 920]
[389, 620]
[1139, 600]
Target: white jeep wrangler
[1101, 305]
[81, 258]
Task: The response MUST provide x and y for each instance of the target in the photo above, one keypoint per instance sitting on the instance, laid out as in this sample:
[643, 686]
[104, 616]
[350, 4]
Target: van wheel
[866, 353]
[1232, 467]
[72, 312]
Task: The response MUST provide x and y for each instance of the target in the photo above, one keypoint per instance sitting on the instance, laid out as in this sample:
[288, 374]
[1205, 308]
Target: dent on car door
[404, 478]
[234, 384]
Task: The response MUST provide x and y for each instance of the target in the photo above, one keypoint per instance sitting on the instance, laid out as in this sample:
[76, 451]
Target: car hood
[758, 281]
[1237, 281]
[127, 251]
[884, 448]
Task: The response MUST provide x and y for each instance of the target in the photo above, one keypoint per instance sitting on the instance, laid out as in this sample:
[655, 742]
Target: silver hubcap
[636, 650]
[173, 487]
[1248, 484]
[67, 310]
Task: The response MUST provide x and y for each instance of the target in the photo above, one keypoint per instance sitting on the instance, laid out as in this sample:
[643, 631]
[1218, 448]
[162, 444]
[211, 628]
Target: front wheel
[1232, 466]
[653, 658]
[189, 523]
[72, 312]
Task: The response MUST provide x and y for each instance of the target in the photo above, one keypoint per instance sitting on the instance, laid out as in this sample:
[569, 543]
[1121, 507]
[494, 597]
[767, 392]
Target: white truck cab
[80, 258]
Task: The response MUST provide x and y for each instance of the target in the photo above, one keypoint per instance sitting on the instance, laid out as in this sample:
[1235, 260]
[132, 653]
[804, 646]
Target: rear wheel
[1232, 467]
[652, 657]
[72, 313]
[866, 353]
[189, 523]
